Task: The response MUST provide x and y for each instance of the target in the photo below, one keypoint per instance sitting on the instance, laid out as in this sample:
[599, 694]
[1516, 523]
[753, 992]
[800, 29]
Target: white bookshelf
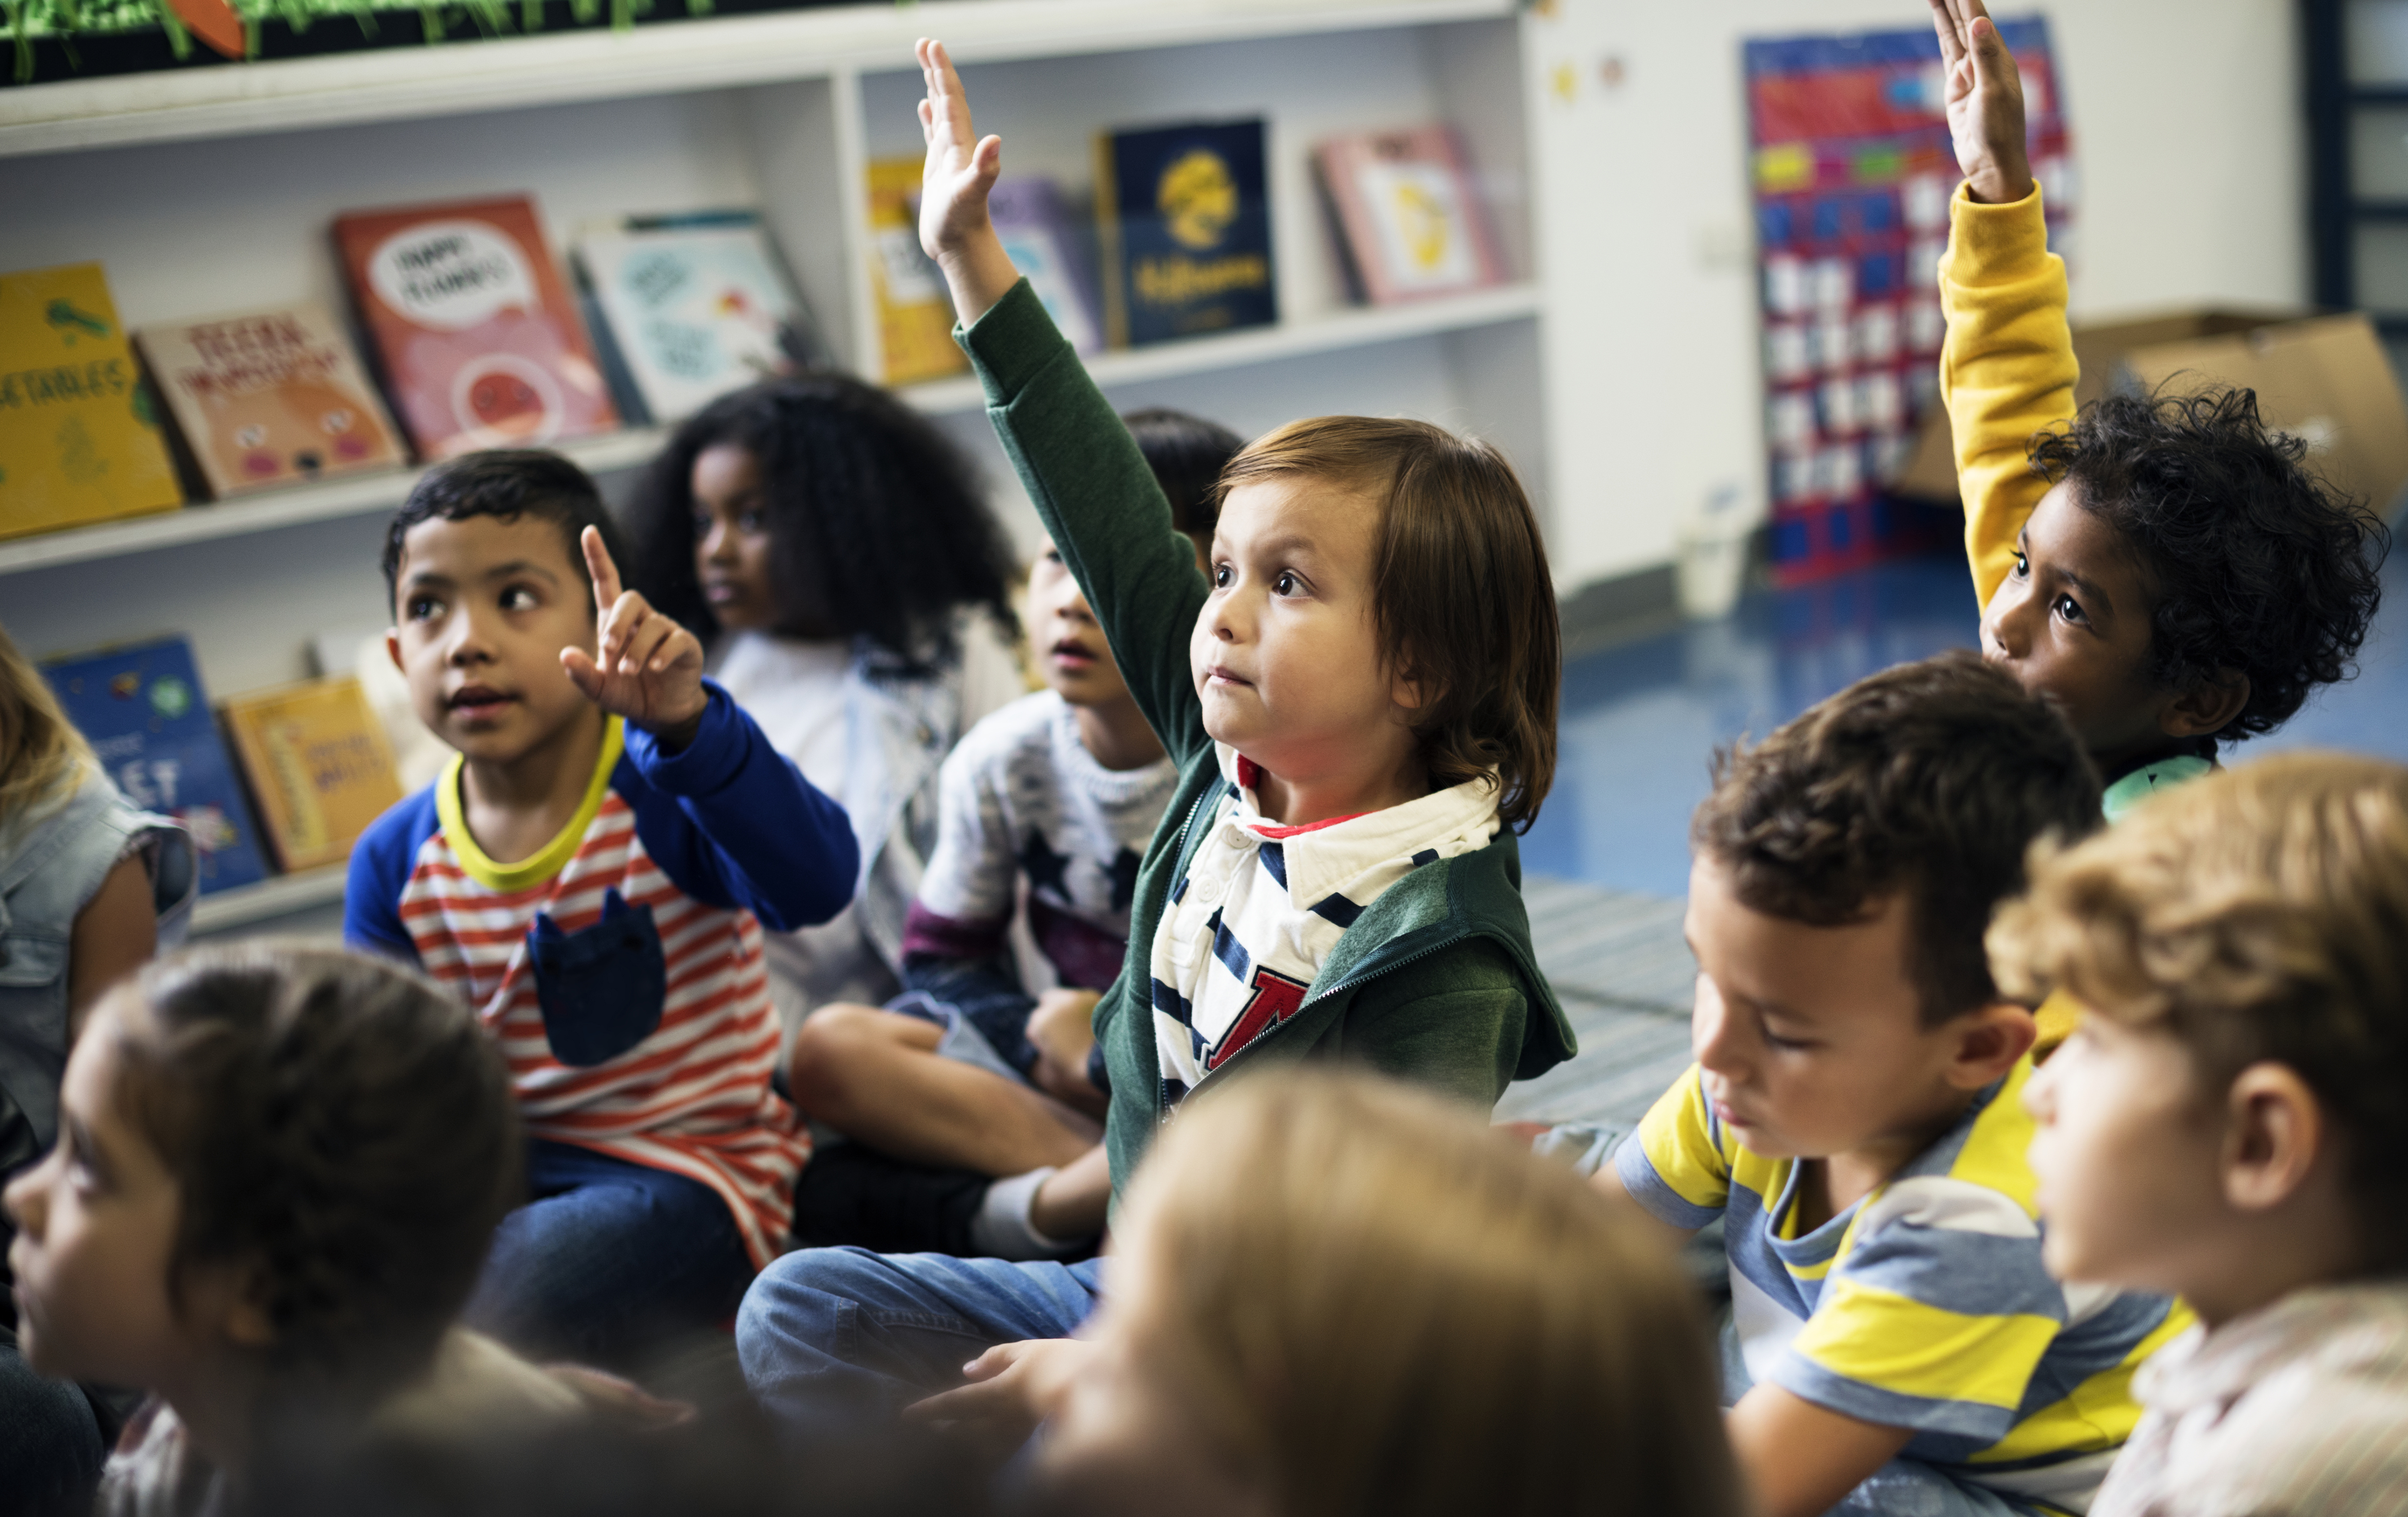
[212, 189]
[278, 895]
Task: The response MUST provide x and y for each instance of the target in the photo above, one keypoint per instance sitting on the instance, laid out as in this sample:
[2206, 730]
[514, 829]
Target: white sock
[1002, 1227]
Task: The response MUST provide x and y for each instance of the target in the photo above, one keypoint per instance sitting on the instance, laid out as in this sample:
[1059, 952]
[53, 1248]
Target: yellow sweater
[2006, 372]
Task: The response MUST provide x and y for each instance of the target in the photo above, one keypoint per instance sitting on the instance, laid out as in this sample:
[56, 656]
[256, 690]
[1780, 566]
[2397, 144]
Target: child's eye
[1788, 1045]
[752, 524]
[2023, 565]
[518, 598]
[421, 608]
[1286, 584]
[2070, 608]
[701, 524]
[1052, 555]
[1221, 575]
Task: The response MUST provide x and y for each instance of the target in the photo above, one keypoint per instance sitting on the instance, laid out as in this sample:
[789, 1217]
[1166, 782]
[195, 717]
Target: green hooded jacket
[1436, 980]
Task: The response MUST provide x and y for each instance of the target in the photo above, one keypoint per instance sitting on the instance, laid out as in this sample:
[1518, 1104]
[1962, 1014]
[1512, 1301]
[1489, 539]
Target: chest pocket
[31, 959]
[602, 988]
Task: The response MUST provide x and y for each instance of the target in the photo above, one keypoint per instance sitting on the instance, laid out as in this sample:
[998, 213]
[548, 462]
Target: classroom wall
[2191, 157]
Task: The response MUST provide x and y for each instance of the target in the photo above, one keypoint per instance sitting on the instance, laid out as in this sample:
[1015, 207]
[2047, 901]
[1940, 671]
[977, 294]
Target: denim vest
[50, 870]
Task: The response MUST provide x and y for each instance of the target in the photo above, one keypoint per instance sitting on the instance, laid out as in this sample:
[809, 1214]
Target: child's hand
[650, 669]
[1012, 1388]
[1986, 102]
[961, 169]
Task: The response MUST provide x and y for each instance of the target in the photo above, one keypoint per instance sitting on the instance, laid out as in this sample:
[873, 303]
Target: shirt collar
[2335, 1326]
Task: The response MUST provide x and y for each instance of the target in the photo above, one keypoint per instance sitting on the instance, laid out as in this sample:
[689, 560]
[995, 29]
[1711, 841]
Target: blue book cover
[144, 712]
[1186, 213]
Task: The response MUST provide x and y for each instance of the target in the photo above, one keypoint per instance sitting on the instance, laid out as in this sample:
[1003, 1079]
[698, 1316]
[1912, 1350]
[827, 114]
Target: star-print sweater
[1434, 981]
[619, 968]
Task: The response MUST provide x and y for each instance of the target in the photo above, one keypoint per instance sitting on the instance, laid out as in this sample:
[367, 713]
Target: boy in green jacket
[1363, 715]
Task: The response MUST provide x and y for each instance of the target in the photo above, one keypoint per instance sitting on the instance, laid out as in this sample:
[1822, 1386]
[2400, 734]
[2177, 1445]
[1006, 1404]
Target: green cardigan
[1436, 980]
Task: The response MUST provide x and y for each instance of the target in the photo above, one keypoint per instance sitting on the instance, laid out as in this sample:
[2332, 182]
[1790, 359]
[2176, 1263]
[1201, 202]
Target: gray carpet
[1618, 964]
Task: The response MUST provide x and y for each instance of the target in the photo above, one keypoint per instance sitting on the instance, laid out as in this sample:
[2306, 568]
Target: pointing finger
[599, 565]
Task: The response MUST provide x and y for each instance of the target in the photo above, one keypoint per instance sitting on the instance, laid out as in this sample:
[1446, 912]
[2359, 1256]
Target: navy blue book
[1186, 220]
[144, 712]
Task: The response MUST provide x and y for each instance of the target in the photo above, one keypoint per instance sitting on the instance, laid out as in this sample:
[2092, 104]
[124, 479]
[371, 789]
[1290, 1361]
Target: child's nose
[22, 1202]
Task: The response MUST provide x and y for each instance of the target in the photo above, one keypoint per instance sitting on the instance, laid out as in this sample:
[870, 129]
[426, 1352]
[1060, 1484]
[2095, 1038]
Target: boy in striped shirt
[1854, 1116]
[592, 873]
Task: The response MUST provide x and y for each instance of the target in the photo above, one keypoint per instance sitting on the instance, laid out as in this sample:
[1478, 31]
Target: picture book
[915, 316]
[1049, 245]
[144, 712]
[1185, 222]
[692, 306]
[318, 763]
[477, 337]
[1409, 215]
[269, 397]
[79, 439]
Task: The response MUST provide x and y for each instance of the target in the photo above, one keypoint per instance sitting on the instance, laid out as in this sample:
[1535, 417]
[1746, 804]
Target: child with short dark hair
[593, 873]
[276, 1172]
[1854, 1116]
[1361, 700]
[2226, 1125]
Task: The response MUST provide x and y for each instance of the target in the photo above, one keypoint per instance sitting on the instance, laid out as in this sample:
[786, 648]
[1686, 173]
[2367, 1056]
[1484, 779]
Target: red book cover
[476, 331]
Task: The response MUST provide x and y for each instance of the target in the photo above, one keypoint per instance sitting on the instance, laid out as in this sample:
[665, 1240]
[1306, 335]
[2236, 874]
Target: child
[87, 883]
[835, 551]
[593, 873]
[1064, 787]
[1363, 716]
[2227, 1122]
[1338, 1295]
[276, 1172]
[1854, 1116]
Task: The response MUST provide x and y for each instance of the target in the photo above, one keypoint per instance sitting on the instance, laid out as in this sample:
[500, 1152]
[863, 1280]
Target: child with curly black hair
[835, 553]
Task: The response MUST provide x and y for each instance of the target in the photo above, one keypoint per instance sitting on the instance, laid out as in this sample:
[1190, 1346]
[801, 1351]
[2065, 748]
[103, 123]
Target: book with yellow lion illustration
[269, 397]
[1409, 215]
[1185, 222]
[319, 767]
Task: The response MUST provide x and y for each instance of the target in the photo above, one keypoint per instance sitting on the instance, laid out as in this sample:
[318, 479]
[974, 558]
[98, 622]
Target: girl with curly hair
[835, 553]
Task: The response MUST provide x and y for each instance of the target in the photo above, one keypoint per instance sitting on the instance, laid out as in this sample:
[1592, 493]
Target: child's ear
[2207, 707]
[230, 1299]
[2275, 1135]
[392, 648]
[1989, 1040]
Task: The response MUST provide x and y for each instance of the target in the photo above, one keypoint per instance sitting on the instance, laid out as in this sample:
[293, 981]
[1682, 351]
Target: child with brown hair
[1338, 1295]
[2227, 1121]
[276, 1172]
[1360, 697]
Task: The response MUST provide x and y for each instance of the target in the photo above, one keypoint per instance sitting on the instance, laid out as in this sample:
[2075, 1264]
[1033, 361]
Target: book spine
[1108, 244]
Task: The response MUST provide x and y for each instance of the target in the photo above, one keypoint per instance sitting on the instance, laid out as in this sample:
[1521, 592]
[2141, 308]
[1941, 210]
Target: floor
[1608, 858]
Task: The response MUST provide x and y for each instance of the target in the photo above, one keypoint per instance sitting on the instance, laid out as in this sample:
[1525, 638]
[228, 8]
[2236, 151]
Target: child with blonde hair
[2226, 1123]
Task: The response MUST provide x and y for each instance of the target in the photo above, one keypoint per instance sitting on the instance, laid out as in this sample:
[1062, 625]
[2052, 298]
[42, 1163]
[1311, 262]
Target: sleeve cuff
[1642, 1184]
[1011, 344]
[717, 754]
[1988, 242]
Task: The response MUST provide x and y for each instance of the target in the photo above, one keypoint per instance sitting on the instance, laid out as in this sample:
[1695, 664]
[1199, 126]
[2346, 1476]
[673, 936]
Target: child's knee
[838, 1044]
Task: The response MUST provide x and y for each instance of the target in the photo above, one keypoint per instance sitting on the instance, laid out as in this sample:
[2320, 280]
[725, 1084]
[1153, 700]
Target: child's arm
[1800, 1459]
[749, 832]
[1082, 469]
[2007, 369]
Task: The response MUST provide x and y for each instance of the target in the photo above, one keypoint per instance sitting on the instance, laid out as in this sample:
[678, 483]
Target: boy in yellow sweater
[2164, 568]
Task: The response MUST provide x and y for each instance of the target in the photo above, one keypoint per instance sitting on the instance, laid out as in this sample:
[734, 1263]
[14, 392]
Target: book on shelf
[1048, 241]
[690, 306]
[915, 316]
[318, 763]
[269, 397]
[79, 439]
[146, 715]
[476, 337]
[1184, 219]
[1410, 221]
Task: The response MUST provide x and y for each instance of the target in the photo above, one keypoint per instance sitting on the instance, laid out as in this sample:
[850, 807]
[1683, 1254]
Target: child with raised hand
[836, 554]
[967, 1096]
[276, 1172]
[1855, 1115]
[1338, 1295]
[1360, 698]
[2226, 1125]
[593, 873]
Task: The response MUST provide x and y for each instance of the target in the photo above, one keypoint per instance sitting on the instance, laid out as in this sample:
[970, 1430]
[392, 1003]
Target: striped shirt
[1261, 906]
[710, 840]
[2299, 1408]
[1923, 1305]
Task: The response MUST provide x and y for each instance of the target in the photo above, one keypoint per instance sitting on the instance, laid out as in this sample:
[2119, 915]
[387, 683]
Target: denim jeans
[611, 1258]
[838, 1337]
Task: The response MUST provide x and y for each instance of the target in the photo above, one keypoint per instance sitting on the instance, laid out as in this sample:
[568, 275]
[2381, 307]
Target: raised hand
[961, 169]
[650, 668]
[1986, 102]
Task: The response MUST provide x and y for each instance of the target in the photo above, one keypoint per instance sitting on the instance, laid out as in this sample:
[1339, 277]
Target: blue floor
[1640, 721]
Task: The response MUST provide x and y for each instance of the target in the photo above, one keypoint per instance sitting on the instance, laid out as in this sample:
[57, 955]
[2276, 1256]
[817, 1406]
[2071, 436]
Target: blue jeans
[609, 1259]
[838, 1337]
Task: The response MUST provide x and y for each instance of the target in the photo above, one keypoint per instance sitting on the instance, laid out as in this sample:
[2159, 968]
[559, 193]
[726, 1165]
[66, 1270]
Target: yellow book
[319, 765]
[915, 316]
[79, 441]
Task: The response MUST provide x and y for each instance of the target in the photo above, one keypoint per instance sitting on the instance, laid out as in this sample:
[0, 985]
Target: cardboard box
[2325, 377]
